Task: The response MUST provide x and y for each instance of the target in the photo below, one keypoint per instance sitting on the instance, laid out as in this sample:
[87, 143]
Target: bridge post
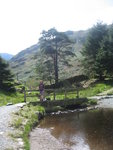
[65, 94]
[77, 93]
[24, 95]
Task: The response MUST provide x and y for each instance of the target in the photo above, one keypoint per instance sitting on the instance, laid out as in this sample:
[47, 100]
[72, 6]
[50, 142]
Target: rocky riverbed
[45, 141]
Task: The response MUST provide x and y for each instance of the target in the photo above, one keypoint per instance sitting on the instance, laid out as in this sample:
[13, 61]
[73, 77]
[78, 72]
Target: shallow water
[90, 130]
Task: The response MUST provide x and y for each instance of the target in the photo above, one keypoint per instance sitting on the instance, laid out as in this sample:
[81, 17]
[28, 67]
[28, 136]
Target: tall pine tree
[91, 50]
[104, 60]
[6, 78]
[56, 45]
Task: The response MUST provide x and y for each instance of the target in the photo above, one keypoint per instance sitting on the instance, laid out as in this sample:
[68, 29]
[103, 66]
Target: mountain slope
[6, 56]
[24, 63]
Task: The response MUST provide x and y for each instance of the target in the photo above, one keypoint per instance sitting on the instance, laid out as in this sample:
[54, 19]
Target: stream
[88, 130]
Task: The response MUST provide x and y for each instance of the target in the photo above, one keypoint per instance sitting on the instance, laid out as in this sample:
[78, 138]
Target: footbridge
[55, 97]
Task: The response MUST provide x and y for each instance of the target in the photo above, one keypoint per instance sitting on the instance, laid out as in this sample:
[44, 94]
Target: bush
[92, 102]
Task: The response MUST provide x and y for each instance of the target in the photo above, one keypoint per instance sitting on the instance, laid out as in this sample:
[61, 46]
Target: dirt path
[6, 142]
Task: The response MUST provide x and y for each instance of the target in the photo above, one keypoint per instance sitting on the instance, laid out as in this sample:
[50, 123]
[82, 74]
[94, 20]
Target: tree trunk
[50, 78]
[56, 68]
[101, 77]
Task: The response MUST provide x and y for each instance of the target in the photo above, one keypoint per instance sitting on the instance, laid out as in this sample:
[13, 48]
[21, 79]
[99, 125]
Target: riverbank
[6, 130]
[25, 120]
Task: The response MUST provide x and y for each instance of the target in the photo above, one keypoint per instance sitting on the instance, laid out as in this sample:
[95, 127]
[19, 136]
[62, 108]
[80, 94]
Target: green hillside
[24, 63]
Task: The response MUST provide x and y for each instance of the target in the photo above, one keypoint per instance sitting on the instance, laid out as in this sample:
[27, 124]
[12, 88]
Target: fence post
[24, 95]
[77, 93]
[54, 95]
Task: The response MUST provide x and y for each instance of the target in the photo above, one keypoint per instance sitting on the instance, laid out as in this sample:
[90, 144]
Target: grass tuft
[25, 120]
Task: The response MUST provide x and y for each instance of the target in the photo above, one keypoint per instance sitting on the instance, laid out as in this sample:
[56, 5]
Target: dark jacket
[41, 87]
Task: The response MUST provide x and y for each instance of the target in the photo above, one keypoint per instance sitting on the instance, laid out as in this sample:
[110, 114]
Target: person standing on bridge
[41, 90]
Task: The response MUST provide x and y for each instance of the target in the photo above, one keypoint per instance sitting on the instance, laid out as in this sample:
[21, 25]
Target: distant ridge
[30, 50]
[6, 56]
[24, 62]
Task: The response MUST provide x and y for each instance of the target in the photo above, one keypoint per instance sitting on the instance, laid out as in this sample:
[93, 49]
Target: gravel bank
[6, 141]
[41, 139]
[106, 103]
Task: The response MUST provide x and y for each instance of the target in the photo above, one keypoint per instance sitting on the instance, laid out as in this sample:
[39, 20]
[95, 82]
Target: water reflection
[91, 130]
[79, 143]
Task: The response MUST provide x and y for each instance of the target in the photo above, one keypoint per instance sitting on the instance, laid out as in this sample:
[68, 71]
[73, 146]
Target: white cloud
[21, 21]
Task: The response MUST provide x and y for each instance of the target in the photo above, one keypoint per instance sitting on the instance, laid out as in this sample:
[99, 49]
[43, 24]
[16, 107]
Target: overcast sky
[22, 21]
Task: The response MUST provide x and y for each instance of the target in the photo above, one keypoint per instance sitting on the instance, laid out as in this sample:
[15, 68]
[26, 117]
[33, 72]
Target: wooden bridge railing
[54, 92]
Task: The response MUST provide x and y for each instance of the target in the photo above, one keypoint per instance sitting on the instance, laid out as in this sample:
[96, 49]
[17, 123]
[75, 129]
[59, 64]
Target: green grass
[95, 89]
[17, 122]
[14, 98]
[24, 121]
[87, 92]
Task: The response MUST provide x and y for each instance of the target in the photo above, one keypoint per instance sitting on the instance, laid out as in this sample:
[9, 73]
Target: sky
[22, 21]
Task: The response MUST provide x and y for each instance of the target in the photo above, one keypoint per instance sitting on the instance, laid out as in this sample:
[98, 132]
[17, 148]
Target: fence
[52, 92]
